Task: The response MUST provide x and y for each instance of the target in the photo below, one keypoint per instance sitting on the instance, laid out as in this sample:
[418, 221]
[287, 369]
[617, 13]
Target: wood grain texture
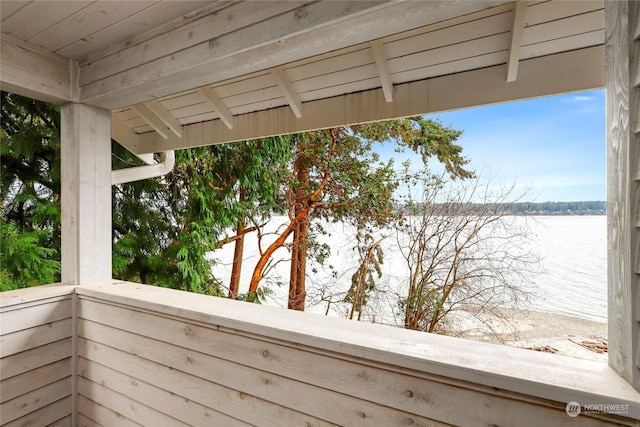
[28, 72]
[54, 414]
[34, 379]
[31, 402]
[155, 393]
[34, 358]
[131, 409]
[34, 337]
[95, 414]
[267, 368]
[18, 318]
[576, 70]
[279, 391]
[624, 333]
[312, 29]
[85, 193]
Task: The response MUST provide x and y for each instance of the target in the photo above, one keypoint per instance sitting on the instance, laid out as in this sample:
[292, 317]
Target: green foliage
[30, 192]
[24, 258]
[165, 229]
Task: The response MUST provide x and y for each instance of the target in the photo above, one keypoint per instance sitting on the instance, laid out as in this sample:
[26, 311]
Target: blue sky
[553, 146]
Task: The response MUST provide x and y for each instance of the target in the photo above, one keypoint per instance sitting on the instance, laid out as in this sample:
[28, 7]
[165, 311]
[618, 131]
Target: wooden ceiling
[162, 66]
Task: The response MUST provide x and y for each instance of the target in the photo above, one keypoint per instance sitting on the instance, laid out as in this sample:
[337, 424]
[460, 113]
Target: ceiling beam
[383, 69]
[288, 90]
[519, 15]
[124, 135]
[228, 44]
[210, 95]
[548, 75]
[151, 119]
[163, 114]
[29, 71]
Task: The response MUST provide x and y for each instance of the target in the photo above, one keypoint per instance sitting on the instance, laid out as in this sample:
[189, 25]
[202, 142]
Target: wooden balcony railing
[127, 354]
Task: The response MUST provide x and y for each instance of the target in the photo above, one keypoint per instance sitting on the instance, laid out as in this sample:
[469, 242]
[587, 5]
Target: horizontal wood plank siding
[176, 368]
[35, 357]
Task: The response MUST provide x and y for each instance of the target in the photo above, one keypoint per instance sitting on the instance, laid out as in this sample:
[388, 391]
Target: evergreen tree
[30, 192]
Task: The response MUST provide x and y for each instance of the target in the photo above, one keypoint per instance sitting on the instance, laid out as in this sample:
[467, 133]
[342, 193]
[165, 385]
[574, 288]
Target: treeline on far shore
[520, 208]
[559, 208]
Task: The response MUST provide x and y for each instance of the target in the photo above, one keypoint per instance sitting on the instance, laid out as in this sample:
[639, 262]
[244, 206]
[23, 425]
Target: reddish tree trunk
[234, 282]
[297, 285]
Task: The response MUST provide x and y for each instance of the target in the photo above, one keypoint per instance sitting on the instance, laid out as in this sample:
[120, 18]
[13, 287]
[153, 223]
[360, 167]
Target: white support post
[86, 194]
[623, 191]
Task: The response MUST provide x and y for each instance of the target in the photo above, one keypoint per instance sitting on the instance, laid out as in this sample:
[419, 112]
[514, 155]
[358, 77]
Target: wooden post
[86, 194]
[621, 19]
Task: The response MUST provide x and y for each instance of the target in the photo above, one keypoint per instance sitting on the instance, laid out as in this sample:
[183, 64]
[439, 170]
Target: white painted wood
[34, 358]
[624, 332]
[455, 66]
[34, 379]
[357, 86]
[333, 62]
[9, 7]
[591, 21]
[335, 408]
[210, 26]
[158, 109]
[340, 81]
[11, 300]
[432, 37]
[65, 422]
[519, 16]
[467, 49]
[164, 399]
[171, 26]
[400, 389]
[86, 194]
[94, 414]
[572, 71]
[209, 94]
[27, 71]
[122, 133]
[152, 120]
[546, 11]
[281, 77]
[85, 22]
[245, 407]
[55, 414]
[34, 337]
[158, 13]
[592, 38]
[128, 408]
[32, 19]
[32, 401]
[508, 369]
[383, 69]
[319, 28]
[26, 316]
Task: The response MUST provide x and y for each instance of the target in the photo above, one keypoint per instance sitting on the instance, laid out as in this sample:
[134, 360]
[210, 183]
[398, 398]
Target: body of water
[570, 279]
[573, 252]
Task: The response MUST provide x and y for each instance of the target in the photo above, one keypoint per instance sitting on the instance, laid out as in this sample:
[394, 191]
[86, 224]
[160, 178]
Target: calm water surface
[574, 263]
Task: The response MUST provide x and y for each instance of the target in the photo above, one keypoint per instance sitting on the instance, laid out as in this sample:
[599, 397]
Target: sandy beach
[551, 332]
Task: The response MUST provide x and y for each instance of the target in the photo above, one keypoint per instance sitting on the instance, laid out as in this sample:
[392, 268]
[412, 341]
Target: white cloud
[582, 98]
